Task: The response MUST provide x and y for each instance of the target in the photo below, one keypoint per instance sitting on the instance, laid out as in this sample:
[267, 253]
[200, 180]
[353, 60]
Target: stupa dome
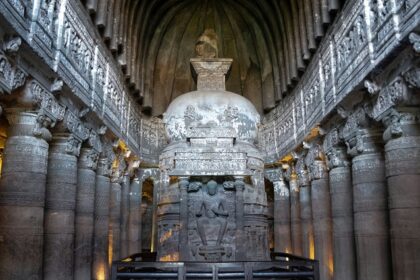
[211, 111]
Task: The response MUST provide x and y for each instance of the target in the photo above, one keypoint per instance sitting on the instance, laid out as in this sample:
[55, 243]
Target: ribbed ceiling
[271, 42]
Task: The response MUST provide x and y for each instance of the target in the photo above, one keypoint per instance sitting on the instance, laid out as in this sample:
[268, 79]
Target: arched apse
[271, 42]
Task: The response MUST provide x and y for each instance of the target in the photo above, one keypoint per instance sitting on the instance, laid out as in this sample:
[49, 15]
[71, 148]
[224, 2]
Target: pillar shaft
[295, 223]
[341, 191]
[402, 154]
[115, 220]
[134, 218]
[59, 210]
[282, 238]
[22, 195]
[84, 220]
[343, 230]
[308, 249]
[100, 237]
[370, 217]
[125, 206]
[321, 216]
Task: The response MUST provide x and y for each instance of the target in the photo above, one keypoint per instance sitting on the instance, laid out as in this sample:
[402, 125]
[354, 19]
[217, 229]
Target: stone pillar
[308, 249]
[100, 236]
[341, 191]
[295, 222]
[115, 219]
[134, 217]
[125, 210]
[369, 197]
[60, 205]
[402, 160]
[183, 218]
[282, 238]
[22, 195]
[84, 220]
[321, 212]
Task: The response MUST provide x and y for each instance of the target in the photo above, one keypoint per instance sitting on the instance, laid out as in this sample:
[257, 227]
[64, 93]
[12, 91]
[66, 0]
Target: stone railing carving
[62, 34]
[354, 47]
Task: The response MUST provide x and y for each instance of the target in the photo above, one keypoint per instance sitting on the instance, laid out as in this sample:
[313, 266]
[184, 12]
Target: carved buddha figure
[211, 215]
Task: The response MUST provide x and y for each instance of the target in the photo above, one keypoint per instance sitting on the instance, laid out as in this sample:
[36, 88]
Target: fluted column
[341, 191]
[84, 220]
[125, 210]
[295, 222]
[308, 249]
[321, 212]
[100, 236]
[22, 196]
[134, 217]
[402, 161]
[371, 225]
[60, 205]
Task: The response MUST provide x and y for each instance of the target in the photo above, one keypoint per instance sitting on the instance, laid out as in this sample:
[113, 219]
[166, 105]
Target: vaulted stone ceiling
[271, 42]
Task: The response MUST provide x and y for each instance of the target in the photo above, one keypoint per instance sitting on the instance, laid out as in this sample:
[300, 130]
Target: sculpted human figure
[212, 211]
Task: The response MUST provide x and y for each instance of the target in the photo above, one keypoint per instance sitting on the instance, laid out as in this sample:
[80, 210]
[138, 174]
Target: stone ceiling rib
[271, 42]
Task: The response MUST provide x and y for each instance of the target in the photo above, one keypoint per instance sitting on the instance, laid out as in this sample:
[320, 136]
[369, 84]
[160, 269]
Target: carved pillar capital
[106, 159]
[360, 133]
[400, 122]
[302, 170]
[335, 150]
[88, 158]
[315, 161]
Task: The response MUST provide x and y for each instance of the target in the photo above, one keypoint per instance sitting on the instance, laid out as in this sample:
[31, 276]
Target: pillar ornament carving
[88, 159]
[132, 166]
[359, 133]
[12, 45]
[11, 76]
[335, 152]
[303, 175]
[315, 161]
[276, 176]
[414, 39]
[106, 159]
[94, 141]
[118, 168]
[35, 98]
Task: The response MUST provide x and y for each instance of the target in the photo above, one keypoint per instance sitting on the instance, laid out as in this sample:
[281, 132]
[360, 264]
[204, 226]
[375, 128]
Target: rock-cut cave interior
[210, 139]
